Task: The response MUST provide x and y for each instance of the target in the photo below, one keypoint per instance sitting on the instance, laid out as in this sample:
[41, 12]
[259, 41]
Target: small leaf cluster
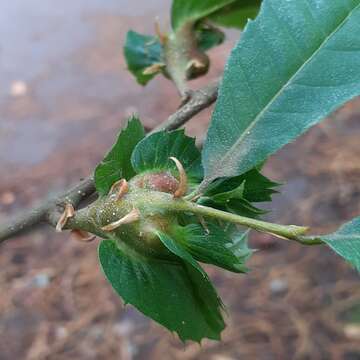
[145, 54]
[175, 291]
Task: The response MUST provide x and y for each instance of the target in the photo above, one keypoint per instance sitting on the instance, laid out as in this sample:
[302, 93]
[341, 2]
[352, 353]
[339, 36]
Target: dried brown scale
[119, 188]
[183, 183]
[82, 236]
[68, 213]
[131, 217]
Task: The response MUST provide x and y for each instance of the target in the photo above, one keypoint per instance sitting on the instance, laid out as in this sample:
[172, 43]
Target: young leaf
[174, 294]
[143, 55]
[237, 14]
[237, 193]
[298, 61]
[116, 164]
[190, 11]
[210, 246]
[154, 152]
[240, 243]
[232, 201]
[346, 242]
[208, 37]
[238, 206]
[179, 251]
[256, 187]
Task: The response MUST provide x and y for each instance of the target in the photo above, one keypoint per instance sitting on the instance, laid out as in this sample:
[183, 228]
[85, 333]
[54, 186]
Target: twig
[183, 59]
[38, 214]
[200, 100]
[50, 210]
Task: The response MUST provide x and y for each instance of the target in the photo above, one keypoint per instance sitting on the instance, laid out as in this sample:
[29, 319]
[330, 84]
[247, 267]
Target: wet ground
[64, 94]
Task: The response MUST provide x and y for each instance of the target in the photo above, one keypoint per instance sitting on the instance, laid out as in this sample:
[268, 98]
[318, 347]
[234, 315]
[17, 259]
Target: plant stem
[309, 240]
[184, 61]
[49, 208]
[288, 232]
[199, 100]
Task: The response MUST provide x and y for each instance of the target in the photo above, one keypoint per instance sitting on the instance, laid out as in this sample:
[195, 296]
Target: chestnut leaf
[346, 242]
[189, 11]
[142, 52]
[237, 14]
[153, 154]
[213, 246]
[256, 187]
[287, 73]
[236, 194]
[116, 164]
[208, 36]
[239, 206]
[173, 293]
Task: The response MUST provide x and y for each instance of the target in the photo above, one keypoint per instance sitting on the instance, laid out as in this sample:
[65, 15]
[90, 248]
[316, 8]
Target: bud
[132, 216]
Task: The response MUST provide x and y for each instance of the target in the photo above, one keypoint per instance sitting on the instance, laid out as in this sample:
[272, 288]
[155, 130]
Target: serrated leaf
[176, 249]
[116, 164]
[237, 14]
[346, 242]
[298, 61]
[237, 193]
[240, 245]
[190, 11]
[208, 37]
[153, 154]
[210, 246]
[172, 293]
[238, 206]
[143, 52]
[256, 187]
[244, 207]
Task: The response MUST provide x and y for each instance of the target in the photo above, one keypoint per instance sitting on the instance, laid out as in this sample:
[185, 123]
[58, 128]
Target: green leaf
[237, 14]
[239, 206]
[256, 187]
[153, 153]
[174, 294]
[189, 11]
[213, 246]
[208, 37]
[116, 164]
[237, 193]
[297, 62]
[244, 208]
[346, 242]
[240, 243]
[179, 251]
[143, 52]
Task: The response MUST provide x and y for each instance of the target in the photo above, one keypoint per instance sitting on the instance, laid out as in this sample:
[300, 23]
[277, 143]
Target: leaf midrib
[274, 98]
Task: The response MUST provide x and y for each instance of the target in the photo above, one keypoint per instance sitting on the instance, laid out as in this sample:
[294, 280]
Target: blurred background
[64, 94]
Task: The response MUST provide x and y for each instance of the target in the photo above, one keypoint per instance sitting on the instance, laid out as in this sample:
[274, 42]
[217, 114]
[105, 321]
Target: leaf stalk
[287, 232]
